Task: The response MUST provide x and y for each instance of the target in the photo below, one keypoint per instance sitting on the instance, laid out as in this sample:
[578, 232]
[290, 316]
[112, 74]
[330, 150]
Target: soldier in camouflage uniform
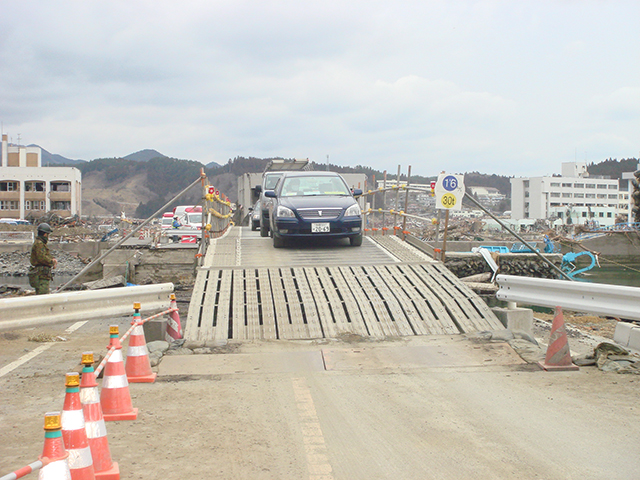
[42, 261]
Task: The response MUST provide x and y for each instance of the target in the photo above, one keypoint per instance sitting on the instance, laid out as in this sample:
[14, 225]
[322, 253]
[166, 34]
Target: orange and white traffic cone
[558, 356]
[74, 433]
[54, 456]
[104, 467]
[115, 398]
[174, 328]
[138, 366]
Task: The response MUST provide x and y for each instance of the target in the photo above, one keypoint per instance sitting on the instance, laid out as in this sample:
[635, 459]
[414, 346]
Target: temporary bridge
[248, 290]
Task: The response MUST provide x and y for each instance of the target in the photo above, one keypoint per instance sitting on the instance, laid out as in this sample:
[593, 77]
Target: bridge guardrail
[35, 311]
[599, 298]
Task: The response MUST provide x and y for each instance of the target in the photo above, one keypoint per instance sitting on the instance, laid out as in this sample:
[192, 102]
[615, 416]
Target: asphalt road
[420, 407]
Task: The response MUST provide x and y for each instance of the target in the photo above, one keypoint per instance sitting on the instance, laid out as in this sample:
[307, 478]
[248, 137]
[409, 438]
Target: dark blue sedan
[312, 205]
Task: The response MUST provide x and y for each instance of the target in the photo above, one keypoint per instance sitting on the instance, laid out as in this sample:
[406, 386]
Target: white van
[189, 216]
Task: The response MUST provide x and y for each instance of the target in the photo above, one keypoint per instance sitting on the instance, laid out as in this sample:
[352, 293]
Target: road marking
[315, 448]
[36, 351]
[75, 326]
[24, 359]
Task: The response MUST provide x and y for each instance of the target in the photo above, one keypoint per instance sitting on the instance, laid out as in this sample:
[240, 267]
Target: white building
[574, 197]
[26, 187]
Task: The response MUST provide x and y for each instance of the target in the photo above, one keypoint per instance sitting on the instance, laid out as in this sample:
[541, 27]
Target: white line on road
[24, 359]
[315, 448]
[37, 351]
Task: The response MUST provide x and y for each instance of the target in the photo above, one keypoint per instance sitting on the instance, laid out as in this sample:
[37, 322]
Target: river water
[628, 274]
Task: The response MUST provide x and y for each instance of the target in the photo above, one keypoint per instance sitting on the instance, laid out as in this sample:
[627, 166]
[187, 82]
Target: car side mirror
[258, 189]
[270, 194]
[356, 192]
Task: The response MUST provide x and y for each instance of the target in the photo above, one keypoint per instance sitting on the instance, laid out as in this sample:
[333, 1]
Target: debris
[117, 281]
[612, 358]
[46, 338]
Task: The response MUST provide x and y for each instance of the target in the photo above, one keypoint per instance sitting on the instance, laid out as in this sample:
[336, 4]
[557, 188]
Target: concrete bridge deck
[248, 290]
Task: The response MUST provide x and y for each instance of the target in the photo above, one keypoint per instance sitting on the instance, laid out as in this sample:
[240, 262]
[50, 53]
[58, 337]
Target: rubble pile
[524, 265]
[17, 264]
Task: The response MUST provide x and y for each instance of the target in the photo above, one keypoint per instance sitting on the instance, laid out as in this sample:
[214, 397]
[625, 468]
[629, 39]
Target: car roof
[312, 174]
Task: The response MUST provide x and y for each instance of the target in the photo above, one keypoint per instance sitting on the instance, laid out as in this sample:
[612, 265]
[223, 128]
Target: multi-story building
[572, 198]
[27, 189]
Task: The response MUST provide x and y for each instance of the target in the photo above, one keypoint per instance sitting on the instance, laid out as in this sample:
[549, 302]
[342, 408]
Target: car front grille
[319, 213]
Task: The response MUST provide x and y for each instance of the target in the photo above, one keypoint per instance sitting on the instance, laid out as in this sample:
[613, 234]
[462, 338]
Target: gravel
[17, 264]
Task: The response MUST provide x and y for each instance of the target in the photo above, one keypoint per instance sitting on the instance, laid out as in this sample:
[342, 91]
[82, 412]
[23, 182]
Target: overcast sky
[509, 87]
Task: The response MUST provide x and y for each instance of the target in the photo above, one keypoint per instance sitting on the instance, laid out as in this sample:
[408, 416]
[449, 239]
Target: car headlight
[353, 211]
[284, 212]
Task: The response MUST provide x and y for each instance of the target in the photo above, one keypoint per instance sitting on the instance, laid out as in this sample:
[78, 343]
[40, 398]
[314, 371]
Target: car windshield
[195, 218]
[270, 181]
[313, 185]
[167, 221]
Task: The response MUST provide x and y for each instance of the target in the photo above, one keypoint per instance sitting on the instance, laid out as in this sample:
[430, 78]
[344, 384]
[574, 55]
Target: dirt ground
[256, 421]
[393, 421]
[588, 324]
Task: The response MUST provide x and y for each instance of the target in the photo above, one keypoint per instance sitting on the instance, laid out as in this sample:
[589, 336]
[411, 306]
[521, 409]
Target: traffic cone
[115, 398]
[138, 366]
[74, 433]
[104, 467]
[53, 453]
[558, 356]
[174, 328]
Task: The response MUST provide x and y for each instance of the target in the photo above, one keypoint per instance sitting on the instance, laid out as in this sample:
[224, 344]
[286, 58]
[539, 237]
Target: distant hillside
[613, 168]
[52, 159]
[144, 155]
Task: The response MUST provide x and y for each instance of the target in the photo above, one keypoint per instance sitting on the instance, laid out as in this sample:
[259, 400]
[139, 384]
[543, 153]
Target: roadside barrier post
[104, 467]
[74, 433]
[138, 366]
[54, 456]
[115, 398]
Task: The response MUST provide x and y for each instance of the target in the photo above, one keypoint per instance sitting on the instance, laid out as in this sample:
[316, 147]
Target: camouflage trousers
[42, 286]
[39, 278]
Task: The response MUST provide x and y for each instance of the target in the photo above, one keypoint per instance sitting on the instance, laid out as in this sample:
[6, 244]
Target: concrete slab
[515, 318]
[309, 361]
[622, 333]
[451, 355]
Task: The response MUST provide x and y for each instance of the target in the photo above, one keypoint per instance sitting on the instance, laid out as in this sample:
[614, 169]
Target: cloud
[494, 86]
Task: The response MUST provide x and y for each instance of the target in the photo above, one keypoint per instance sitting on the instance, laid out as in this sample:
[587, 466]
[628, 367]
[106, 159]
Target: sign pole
[396, 207]
[384, 201]
[444, 239]
[406, 205]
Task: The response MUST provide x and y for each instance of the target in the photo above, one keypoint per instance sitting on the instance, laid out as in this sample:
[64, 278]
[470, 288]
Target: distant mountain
[53, 159]
[144, 155]
[212, 165]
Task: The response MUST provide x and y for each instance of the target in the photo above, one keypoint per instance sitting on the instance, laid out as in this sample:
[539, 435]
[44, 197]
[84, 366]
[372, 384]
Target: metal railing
[35, 311]
[598, 298]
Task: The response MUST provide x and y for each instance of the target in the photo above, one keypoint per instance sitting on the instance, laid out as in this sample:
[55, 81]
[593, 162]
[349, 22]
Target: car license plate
[320, 228]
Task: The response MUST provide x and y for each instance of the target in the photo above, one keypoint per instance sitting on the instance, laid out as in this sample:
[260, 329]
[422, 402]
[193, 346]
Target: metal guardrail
[36, 311]
[599, 298]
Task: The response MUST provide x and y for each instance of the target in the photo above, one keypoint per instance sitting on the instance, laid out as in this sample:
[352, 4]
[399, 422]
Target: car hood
[319, 201]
